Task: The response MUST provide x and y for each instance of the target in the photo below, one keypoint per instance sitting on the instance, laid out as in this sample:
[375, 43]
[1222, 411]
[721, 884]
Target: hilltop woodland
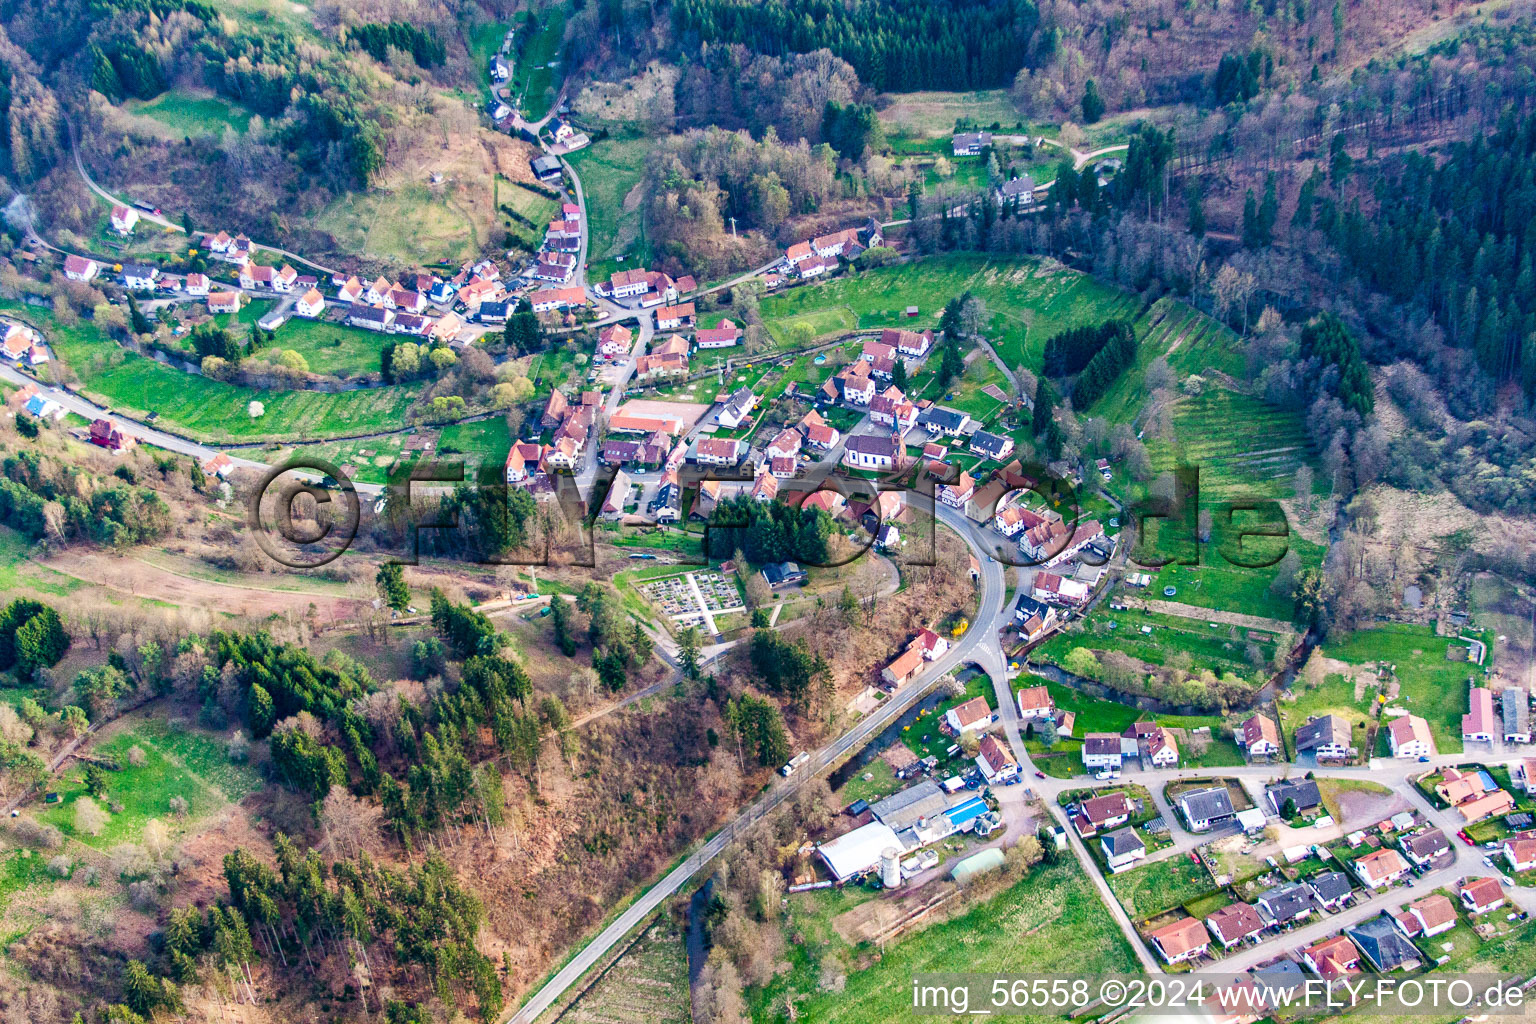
[329, 110]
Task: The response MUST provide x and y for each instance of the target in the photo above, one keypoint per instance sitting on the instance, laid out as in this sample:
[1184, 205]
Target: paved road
[993, 594]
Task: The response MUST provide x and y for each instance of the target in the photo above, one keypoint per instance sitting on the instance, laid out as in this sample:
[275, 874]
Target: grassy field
[533, 79]
[1028, 301]
[332, 348]
[1222, 650]
[17, 573]
[1161, 886]
[208, 409]
[532, 206]
[1216, 582]
[192, 112]
[610, 170]
[648, 985]
[1432, 686]
[407, 223]
[935, 113]
[176, 763]
[1051, 920]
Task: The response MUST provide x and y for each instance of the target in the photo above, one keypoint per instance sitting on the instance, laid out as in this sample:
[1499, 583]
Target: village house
[1383, 944]
[1429, 916]
[1428, 849]
[254, 275]
[1054, 589]
[719, 451]
[1101, 750]
[551, 266]
[991, 446]
[618, 496]
[547, 300]
[411, 323]
[284, 278]
[891, 409]
[1480, 895]
[975, 713]
[21, 344]
[196, 284]
[958, 493]
[1303, 793]
[1035, 703]
[1204, 809]
[139, 276]
[311, 304]
[1017, 192]
[1122, 849]
[1520, 853]
[724, 334]
[1182, 940]
[817, 266]
[970, 143]
[1100, 813]
[736, 408]
[671, 317]
[613, 342]
[1284, 904]
[1380, 868]
[104, 434]
[123, 219]
[373, 318]
[78, 268]
[785, 444]
[223, 302]
[350, 291]
[996, 761]
[1332, 958]
[1258, 736]
[1327, 737]
[1409, 736]
[1330, 888]
[937, 419]
[910, 344]
[818, 433]
[1234, 923]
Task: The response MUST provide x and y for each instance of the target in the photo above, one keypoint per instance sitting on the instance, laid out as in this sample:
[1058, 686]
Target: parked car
[1423, 759]
[1039, 774]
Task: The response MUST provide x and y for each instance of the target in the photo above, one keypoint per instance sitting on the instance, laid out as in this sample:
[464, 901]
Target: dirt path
[1189, 611]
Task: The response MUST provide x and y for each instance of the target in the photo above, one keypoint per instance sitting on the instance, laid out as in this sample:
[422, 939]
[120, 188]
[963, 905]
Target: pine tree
[688, 652]
[560, 619]
[390, 581]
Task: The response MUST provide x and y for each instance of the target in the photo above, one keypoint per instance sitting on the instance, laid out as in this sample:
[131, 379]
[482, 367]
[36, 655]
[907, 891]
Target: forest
[897, 46]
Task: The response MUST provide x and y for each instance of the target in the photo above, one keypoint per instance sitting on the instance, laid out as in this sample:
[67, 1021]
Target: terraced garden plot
[1242, 446]
[648, 985]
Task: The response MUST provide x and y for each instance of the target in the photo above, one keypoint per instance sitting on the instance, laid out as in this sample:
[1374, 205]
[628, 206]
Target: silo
[890, 868]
